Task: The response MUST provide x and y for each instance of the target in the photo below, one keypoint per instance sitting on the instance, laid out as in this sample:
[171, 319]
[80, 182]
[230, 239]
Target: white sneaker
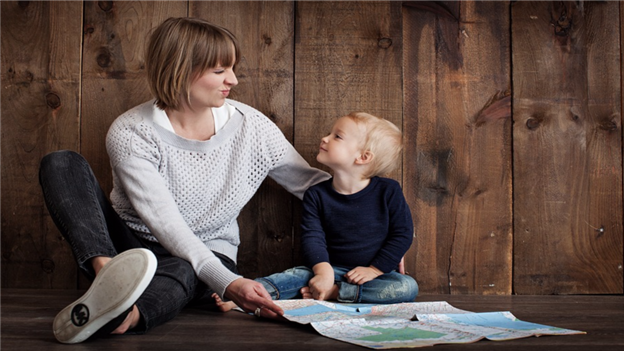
[114, 291]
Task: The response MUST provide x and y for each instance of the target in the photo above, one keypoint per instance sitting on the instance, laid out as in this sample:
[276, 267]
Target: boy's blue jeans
[390, 287]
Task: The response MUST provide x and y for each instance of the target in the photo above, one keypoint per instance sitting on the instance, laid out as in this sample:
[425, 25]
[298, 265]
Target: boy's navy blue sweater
[371, 227]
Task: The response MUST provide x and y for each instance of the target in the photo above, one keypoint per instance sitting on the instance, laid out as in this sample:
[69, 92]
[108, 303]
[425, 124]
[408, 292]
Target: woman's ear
[364, 158]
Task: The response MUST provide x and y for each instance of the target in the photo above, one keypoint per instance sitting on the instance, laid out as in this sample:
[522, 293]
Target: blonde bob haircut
[383, 139]
[179, 51]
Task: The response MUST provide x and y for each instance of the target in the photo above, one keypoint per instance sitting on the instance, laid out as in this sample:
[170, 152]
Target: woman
[184, 165]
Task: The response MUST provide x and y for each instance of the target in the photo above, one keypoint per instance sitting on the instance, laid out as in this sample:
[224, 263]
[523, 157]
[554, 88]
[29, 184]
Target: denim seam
[274, 288]
[100, 217]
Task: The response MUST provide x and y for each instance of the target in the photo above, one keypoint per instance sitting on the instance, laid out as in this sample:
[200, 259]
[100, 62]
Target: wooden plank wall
[458, 159]
[511, 114]
[567, 148]
[41, 82]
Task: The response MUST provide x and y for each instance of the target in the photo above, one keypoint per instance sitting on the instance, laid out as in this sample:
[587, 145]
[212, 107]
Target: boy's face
[343, 145]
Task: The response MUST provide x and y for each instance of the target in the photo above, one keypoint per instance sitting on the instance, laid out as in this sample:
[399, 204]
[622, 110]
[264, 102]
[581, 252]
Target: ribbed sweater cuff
[217, 276]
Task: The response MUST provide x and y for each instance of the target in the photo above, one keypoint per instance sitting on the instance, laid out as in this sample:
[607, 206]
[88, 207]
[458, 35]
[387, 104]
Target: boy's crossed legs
[387, 288]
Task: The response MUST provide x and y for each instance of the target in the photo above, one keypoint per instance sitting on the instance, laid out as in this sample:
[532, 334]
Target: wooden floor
[27, 318]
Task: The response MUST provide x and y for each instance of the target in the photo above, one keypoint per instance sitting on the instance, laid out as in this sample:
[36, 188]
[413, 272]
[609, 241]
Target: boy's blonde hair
[179, 51]
[383, 139]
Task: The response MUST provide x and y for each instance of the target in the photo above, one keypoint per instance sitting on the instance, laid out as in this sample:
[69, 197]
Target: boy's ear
[364, 158]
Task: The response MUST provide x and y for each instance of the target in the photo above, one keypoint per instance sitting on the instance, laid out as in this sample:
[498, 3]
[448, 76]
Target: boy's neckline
[349, 187]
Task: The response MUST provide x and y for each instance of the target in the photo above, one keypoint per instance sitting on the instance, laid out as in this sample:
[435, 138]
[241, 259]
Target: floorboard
[27, 318]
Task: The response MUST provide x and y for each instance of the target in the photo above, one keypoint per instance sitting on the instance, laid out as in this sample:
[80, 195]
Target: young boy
[356, 226]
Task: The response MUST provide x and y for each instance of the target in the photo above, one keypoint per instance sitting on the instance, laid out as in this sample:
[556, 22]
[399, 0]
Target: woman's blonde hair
[179, 51]
[383, 139]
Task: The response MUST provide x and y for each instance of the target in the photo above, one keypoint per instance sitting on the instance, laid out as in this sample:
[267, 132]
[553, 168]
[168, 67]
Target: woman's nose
[230, 79]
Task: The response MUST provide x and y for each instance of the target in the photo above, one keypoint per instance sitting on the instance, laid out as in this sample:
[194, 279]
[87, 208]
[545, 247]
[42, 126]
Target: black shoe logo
[80, 315]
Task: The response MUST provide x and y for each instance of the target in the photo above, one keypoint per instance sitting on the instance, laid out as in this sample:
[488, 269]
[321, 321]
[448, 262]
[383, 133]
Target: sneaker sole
[115, 289]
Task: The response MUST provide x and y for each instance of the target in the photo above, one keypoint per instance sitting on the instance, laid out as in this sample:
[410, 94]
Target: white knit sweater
[187, 194]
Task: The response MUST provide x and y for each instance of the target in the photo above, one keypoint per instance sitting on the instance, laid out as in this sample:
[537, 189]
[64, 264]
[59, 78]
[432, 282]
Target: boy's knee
[406, 287]
[301, 271]
[413, 287]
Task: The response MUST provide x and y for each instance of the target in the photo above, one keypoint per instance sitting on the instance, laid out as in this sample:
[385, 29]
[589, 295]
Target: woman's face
[212, 87]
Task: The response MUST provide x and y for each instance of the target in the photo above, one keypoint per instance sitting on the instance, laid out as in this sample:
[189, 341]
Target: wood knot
[105, 5]
[533, 123]
[53, 100]
[563, 26]
[89, 29]
[384, 43]
[104, 58]
[47, 265]
[608, 125]
[267, 39]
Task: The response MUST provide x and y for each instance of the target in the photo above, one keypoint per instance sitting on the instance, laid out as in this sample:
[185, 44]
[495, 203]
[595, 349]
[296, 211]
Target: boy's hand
[361, 275]
[320, 286]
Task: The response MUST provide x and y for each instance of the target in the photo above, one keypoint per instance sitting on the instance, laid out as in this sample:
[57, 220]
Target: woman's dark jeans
[86, 219]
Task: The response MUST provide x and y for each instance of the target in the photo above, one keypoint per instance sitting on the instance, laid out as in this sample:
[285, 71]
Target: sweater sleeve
[288, 168]
[295, 174]
[135, 168]
[400, 232]
[313, 241]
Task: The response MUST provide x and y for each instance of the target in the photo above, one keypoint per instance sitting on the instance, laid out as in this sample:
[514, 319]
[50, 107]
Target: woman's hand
[251, 296]
[402, 266]
[361, 275]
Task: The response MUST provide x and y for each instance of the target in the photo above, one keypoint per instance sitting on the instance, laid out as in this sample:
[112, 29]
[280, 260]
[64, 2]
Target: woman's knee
[62, 158]
[171, 289]
[177, 271]
[55, 162]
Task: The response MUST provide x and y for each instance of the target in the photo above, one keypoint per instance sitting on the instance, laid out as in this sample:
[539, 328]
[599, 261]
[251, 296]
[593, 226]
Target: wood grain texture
[265, 74]
[457, 164]
[27, 319]
[347, 58]
[441, 71]
[567, 148]
[40, 113]
[113, 74]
